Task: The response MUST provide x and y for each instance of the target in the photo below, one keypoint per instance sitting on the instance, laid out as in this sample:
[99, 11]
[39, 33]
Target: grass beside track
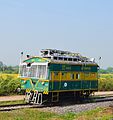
[36, 114]
[2, 103]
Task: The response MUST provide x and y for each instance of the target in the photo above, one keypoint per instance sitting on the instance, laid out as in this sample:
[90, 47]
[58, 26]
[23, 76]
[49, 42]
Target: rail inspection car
[56, 75]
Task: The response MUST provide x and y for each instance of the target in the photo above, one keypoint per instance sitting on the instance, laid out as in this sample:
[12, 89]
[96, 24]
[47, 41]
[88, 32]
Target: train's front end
[34, 79]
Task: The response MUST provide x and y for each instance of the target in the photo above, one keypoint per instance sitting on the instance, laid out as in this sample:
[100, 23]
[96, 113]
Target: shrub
[106, 82]
[9, 84]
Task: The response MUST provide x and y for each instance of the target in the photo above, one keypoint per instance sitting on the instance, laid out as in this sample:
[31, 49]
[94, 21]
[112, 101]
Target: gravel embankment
[77, 107]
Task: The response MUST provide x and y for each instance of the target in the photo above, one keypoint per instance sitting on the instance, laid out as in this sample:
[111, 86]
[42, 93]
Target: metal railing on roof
[64, 55]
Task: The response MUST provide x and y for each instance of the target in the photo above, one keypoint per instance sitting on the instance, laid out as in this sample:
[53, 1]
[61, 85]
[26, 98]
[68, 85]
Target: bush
[9, 84]
[105, 82]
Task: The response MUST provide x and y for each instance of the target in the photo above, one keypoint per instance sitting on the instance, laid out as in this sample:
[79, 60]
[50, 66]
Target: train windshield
[34, 71]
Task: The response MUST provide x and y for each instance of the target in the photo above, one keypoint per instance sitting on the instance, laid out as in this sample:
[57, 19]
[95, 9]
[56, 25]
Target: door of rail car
[56, 80]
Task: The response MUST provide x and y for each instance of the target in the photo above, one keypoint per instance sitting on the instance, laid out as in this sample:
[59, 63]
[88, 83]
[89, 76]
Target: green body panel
[73, 85]
[42, 86]
[26, 84]
[65, 85]
[78, 68]
[94, 84]
[32, 84]
[86, 84]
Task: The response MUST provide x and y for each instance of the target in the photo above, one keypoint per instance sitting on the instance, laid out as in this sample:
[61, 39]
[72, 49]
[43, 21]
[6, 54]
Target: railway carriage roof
[60, 57]
[37, 59]
[72, 63]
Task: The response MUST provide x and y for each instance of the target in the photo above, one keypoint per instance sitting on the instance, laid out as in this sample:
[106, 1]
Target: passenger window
[64, 75]
[72, 76]
[56, 75]
[77, 76]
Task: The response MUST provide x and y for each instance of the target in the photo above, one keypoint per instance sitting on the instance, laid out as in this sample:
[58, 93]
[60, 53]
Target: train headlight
[18, 89]
[43, 83]
[23, 81]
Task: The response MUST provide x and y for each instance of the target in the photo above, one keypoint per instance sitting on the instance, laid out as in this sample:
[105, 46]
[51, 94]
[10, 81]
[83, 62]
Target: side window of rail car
[72, 76]
[55, 75]
[64, 75]
[77, 76]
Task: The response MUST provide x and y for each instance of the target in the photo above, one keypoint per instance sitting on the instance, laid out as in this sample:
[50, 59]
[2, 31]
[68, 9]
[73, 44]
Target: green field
[36, 114]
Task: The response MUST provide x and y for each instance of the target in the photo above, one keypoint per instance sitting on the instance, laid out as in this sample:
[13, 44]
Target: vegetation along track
[88, 104]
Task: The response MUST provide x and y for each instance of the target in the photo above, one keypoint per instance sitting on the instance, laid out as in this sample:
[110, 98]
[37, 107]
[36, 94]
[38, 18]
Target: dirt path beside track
[11, 98]
[103, 93]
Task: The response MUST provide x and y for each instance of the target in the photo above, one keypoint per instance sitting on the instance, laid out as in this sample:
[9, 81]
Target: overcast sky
[84, 26]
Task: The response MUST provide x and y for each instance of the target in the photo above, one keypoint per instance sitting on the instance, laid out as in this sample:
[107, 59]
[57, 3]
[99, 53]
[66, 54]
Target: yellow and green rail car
[57, 74]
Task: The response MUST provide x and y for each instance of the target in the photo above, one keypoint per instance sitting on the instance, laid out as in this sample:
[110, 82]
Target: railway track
[86, 101]
[18, 106]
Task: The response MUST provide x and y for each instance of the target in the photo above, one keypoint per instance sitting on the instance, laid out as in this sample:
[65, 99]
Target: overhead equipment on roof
[64, 55]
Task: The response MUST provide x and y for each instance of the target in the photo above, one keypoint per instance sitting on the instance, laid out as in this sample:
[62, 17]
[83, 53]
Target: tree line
[8, 69]
[108, 70]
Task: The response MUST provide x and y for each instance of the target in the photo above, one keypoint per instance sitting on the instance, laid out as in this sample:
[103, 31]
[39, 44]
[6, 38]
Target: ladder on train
[55, 96]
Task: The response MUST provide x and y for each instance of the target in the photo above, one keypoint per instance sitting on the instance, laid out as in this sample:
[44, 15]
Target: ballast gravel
[77, 108]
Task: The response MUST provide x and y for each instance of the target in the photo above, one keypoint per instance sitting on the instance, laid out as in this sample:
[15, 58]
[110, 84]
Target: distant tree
[1, 64]
[11, 69]
[110, 69]
[8, 69]
[103, 71]
[106, 71]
